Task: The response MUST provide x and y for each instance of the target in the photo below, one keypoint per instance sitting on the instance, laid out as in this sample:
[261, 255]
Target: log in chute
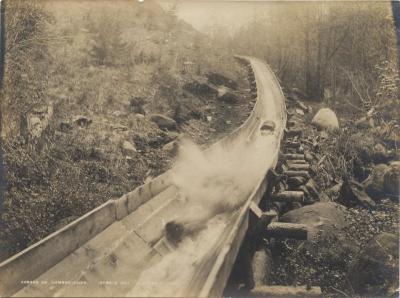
[120, 248]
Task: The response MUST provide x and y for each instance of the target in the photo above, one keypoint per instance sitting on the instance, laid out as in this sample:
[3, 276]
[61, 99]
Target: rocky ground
[352, 207]
[82, 160]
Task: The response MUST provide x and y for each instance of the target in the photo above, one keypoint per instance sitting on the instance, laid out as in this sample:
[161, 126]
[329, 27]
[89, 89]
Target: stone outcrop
[326, 119]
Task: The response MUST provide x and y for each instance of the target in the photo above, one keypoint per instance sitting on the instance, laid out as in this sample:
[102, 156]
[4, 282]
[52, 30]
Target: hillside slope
[113, 69]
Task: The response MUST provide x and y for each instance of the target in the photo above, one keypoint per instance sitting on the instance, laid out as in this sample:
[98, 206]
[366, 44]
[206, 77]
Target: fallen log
[278, 207]
[281, 186]
[301, 105]
[291, 173]
[294, 133]
[262, 267]
[271, 214]
[296, 161]
[288, 196]
[287, 230]
[313, 189]
[285, 291]
[294, 145]
[293, 156]
[299, 167]
[297, 181]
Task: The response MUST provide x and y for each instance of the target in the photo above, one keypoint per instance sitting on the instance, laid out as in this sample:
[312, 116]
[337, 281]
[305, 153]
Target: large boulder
[363, 146]
[35, 126]
[327, 245]
[136, 105]
[200, 89]
[219, 80]
[322, 218]
[380, 154]
[187, 109]
[391, 180]
[128, 148]
[353, 193]
[171, 148]
[374, 184]
[375, 271]
[163, 122]
[81, 121]
[225, 95]
[326, 119]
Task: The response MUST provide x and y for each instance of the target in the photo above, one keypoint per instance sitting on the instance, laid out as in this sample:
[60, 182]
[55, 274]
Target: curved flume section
[206, 206]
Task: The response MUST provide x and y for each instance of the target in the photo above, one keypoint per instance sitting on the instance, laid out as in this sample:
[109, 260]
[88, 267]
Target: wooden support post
[312, 188]
[301, 105]
[299, 166]
[273, 178]
[293, 156]
[266, 216]
[281, 186]
[294, 145]
[278, 207]
[304, 174]
[288, 196]
[296, 161]
[294, 182]
[294, 133]
[262, 267]
[287, 230]
[256, 210]
[271, 214]
[286, 291]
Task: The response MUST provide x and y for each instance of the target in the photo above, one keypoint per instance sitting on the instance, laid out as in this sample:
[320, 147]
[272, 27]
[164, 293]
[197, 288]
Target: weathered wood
[294, 145]
[262, 267]
[292, 156]
[287, 230]
[294, 182]
[281, 186]
[256, 210]
[299, 166]
[271, 215]
[291, 173]
[301, 105]
[288, 196]
[294, 133]
[296, 161]
[278, 207]
[285, 291]
[313, 189]
[291, 123]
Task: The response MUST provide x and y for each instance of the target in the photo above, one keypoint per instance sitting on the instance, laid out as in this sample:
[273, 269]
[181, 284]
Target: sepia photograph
[199, 148]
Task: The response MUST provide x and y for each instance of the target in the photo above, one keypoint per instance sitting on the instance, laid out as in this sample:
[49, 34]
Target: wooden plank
[287, 230]
[293, 156]
[288, 196]
[286, 291]
[290, 173]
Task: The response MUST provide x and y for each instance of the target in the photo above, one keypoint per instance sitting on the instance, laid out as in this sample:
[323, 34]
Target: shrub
[48, 184]
[25, 76]
[106, 46]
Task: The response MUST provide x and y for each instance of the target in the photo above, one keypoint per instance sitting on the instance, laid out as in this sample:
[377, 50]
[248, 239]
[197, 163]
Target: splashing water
[213, 185]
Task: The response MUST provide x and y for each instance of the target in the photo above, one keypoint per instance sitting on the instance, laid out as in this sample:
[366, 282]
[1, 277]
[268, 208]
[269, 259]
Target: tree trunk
[307, 62]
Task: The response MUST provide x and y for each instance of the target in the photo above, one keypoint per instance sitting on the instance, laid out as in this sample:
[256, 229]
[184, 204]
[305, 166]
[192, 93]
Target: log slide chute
[121, 248]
